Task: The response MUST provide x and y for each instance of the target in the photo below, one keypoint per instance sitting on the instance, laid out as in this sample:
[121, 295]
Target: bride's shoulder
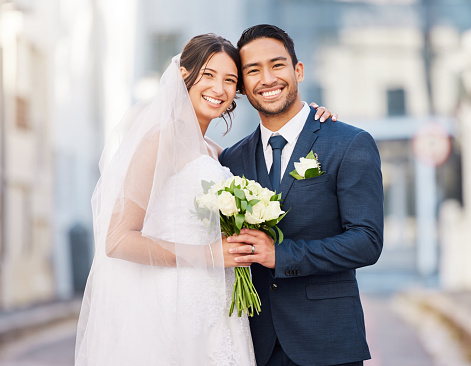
[213, 146]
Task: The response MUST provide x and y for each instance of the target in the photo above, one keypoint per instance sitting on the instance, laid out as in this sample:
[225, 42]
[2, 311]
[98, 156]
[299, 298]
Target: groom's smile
[271, 94]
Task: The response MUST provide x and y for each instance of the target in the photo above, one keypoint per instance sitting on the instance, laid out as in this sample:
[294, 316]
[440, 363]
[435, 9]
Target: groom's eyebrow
[279, 58]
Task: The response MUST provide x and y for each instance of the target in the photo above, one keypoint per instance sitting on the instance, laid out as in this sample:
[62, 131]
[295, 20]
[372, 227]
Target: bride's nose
[218, 87]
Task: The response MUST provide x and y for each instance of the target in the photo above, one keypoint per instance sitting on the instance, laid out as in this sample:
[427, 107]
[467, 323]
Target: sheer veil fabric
[158, 293]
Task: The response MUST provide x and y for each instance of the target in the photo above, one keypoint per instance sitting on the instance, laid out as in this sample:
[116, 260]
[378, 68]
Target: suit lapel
[303, 146]
[261, 166]
[249, 150]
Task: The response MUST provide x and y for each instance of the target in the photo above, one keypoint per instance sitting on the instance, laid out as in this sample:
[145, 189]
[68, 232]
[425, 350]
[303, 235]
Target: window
[396, 102]
[22, 109]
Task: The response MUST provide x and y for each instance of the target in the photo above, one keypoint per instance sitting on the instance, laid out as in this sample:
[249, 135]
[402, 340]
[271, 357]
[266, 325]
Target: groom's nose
[268, 77]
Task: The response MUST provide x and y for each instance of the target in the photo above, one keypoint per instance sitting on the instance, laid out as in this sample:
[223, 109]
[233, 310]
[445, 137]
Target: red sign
[432, 144]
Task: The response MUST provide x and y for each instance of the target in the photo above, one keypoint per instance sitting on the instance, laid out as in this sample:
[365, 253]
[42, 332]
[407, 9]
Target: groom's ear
[299, 71]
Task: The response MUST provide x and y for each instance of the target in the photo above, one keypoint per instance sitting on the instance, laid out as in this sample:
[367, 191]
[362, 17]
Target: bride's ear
[184, 72]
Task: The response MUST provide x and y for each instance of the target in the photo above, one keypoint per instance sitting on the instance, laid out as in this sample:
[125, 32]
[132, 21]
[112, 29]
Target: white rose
[265, 194]
[208, 201]
[227, 204]
[237, 180]
[253, 186]
[251, 191]
[216, 187]
[257, 213]
[248, 195]
[272, 211]
[258, 192]
[305, 164]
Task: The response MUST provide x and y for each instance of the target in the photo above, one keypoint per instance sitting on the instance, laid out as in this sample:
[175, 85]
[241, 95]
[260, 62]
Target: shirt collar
[290, 131]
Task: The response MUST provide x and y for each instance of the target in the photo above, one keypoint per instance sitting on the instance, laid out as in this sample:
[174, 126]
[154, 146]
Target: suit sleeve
[221, 155]
[360, 200]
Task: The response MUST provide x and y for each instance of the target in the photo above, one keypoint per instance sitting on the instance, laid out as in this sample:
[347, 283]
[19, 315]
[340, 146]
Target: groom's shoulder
[240, 145]
[341, 129]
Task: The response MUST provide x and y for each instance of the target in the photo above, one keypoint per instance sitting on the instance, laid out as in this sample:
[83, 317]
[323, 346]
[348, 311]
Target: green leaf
[243, 206]
[253, 202]
[276, 197]
[249, 208]
[279, 218]
[271, 233]
[271, 223]
[239, 220]
[237, 202]
[239, 193]
[311, 155]
[295, 174]
[280, 235]
[311, 173]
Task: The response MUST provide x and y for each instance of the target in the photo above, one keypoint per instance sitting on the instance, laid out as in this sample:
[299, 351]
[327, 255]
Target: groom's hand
[264, 249]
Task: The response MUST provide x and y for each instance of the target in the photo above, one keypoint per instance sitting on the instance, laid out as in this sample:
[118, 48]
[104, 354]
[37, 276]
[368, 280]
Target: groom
[311, 311]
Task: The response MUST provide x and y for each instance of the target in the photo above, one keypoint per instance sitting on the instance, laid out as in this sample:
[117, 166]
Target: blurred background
[401, 69]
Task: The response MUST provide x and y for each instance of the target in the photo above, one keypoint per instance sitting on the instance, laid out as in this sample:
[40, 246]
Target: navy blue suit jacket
[310, 301]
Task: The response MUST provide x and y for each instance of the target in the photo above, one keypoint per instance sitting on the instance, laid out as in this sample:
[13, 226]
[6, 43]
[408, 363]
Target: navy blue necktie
[277, 144]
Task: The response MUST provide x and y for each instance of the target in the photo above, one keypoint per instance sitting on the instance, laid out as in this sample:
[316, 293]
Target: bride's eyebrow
[212, 70]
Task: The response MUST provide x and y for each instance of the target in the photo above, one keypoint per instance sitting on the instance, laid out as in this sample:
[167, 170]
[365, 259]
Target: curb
[16, 323]
[453, 309]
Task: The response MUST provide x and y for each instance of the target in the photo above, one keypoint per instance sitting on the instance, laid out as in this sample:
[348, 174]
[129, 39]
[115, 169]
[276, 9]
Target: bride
[158, 292]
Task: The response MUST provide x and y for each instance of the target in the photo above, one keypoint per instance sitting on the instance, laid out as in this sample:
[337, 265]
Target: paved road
[52, 346]
[392, 340]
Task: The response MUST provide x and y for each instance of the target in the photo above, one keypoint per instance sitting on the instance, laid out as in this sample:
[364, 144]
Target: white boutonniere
[308, 167]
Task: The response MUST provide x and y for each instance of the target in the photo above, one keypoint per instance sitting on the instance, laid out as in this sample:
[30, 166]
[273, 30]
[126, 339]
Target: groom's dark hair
[268, 31]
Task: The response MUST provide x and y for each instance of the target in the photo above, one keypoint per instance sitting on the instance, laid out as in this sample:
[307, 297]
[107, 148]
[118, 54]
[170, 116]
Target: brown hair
[268, 31]
[196, 55]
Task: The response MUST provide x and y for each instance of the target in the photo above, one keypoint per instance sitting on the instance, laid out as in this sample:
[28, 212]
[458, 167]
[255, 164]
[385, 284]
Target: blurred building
[455, 216]
[70, 69]
[50, 140]
[26, 157]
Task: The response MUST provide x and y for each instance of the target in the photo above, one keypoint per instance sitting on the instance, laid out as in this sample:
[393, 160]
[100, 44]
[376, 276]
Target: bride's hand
[229, 258]
[323, 113]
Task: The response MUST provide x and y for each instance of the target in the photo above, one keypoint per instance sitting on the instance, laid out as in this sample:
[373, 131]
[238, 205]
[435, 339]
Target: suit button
[298, 272]
[274, 286]
[287, 272]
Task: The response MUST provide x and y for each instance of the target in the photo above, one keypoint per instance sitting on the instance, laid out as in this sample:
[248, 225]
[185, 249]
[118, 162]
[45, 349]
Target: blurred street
[51, 346]
[399, 331]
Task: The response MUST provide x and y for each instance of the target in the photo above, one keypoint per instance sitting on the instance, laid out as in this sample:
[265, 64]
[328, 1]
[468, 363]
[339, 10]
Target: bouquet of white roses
[242, 203]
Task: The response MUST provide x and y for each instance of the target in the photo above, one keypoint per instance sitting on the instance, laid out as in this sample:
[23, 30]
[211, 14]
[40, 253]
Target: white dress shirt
[290, 131]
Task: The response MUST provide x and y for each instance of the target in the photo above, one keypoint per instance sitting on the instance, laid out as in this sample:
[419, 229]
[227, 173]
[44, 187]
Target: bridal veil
[157, 292]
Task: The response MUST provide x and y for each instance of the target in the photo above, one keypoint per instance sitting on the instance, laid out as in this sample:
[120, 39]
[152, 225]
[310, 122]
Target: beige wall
[26, 272]
[456, 220]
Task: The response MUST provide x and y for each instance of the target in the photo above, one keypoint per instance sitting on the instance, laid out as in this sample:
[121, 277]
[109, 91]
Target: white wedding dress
[154, 295]
[164, 315]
